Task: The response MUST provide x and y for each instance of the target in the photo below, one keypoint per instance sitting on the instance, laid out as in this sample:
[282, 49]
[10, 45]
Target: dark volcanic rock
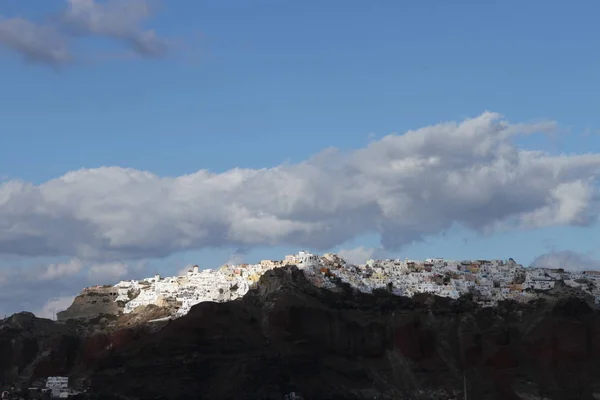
[32, 348]
[287, 335]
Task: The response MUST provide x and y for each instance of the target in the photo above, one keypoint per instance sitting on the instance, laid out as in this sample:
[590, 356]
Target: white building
[58, 386]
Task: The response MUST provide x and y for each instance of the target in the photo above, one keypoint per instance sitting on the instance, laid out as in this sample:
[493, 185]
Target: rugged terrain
[287, 335]
[32, 348]
[92, 302]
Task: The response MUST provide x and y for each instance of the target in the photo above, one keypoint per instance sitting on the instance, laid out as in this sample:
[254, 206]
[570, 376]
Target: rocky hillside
[33, 348]
[287, 335]
[93, 302]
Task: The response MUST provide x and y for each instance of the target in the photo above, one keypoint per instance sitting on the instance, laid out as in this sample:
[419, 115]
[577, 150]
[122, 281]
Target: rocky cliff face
[92, 303]
[33, 348]
[287, 335]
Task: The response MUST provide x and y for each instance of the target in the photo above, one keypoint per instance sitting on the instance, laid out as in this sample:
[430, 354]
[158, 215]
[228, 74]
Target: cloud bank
[403, 187]
[361, 254]
[41, 43]
[51, 42]
[48, 288]
[568, 260]
[117, 19]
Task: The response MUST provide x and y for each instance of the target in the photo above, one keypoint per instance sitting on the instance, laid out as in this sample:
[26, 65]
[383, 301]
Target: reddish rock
[503, 358]
[289, 336]
[414, 342]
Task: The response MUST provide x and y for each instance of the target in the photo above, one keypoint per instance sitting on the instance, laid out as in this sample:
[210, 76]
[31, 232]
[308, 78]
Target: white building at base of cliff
[58, 386]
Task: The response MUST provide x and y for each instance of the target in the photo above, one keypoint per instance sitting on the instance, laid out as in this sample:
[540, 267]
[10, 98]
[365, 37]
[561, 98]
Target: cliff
[33, 348]
[286, 335]
[489, 282]
[92, 303]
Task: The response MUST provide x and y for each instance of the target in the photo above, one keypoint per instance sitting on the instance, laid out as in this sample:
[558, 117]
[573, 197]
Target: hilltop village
[488, 281]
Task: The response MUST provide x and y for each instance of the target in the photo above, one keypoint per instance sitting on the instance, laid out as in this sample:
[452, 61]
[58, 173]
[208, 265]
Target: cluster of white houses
[224, 284]
[488, 281]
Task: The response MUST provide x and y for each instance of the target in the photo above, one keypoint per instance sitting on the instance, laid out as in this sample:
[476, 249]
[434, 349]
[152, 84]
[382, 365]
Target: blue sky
[264, 83]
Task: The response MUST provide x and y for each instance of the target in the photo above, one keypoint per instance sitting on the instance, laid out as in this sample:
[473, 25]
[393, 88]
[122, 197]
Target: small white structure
[306, 259]
[58, 386]
[293, 396]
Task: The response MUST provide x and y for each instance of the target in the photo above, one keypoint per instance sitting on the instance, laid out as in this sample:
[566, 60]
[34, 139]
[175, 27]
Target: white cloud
[61, 270]
[237, 257]
[568, 260]
[53, 306]
[108, 272]
[361, 254]
[28, 286]
[50, 42]
[36, 43]
[404, 187]
[117, 19]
